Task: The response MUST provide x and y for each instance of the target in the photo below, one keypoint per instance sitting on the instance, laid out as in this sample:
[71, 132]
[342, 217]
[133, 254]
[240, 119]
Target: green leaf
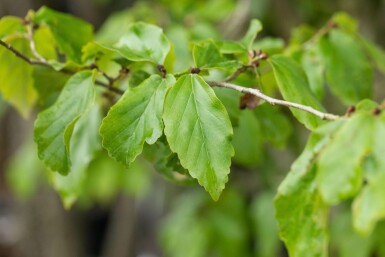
[376, 53]
[198, 129]
[251, 34]
[70, 33]
[45, 43]
[16, 78]
[11, 25]
[48, 84]
[348, 72]
[275, 126]
[54, 126]
[300, 211]
[292, 83]
[230, 100]
[369, 206]
[143, 42]
[85, 142]
[248, 140]
[339, 165]
[314, 69]
[346, 22]
[135, 119]
[207, 55]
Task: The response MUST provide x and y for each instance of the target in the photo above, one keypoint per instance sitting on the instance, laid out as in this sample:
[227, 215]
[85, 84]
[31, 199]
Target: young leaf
[70, 33]
[254, 28]
[207, 55]
[376, 53]
[339, 165]
[369, 206]
[198, 129]
[135, 119]
[54, 126]
[143, 42]
[85, 143]
[16, 79]
[300, 211]
[292, 83]
[314, 69]
[10, 25]
[348, 72]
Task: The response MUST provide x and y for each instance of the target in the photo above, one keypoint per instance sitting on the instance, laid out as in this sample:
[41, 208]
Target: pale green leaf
[70, 33]
[85, 142]
[376, 53]
[11, 25]
[300, 211]
[314, 69]
[54, 126]
[293, 85]
[135, 119]
[346, 22]
[143, 42]
[198, 129]
[16, 79]
[251, 34]
[369, 206]
[348, 71]
[339, 165]
[207, 55]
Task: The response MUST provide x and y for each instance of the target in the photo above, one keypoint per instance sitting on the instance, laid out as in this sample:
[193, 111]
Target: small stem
[46, 64]
[32, 45]
[22, 56]
[236, 73]
[319, 34]
[274, 101]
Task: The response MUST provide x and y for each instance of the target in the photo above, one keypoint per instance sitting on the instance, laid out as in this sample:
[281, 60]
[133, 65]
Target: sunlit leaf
[207, 55]
[293, 85]
[198, 129]
[369, 206]
[135, 119]
[143, 42]
[54, 126]
[70, 33]
[300, 211]
[11, 25]
[348, 72]
[85, 142]
[16, 79]
[254, 28]
[339, 165]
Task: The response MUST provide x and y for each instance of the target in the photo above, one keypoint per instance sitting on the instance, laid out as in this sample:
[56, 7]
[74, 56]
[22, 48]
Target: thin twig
[22, 56]
[32, 45]
[46, 64]
[274, 101]
[236, 73]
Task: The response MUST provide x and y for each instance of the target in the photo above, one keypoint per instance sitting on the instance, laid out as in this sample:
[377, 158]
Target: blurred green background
[138, 211]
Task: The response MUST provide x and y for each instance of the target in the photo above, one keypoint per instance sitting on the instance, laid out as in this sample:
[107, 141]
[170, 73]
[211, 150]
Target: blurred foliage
[242, 222]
